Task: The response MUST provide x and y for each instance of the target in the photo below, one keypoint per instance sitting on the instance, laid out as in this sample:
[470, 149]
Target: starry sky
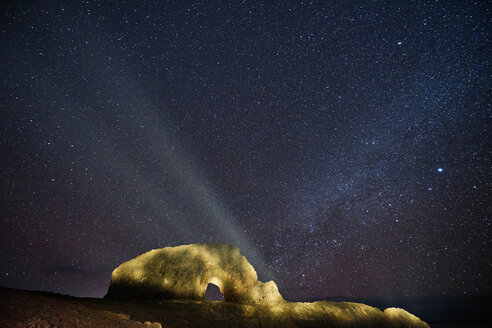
[345, 147]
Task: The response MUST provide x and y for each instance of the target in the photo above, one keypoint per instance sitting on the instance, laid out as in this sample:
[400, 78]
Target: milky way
[344, 148]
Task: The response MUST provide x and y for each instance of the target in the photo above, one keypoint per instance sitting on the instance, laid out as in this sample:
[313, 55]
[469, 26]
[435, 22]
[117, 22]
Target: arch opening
[213, 293]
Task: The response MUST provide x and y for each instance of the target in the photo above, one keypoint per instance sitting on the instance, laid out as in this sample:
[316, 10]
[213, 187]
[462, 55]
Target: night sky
[344, 147]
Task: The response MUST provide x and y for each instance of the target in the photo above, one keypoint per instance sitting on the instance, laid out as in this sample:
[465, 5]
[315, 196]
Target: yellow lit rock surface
[397, 316]
[183, 273]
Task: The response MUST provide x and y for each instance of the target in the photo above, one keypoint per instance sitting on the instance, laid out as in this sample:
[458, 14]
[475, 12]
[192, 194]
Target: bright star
[440, 169]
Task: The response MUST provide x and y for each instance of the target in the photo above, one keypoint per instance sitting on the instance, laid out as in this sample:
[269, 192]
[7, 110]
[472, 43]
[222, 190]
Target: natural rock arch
[184, 272]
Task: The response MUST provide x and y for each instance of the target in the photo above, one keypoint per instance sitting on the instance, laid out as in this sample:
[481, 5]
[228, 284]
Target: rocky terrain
[39, 309]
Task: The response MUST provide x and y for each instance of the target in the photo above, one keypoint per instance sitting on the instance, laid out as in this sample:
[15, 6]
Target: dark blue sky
[344, 147]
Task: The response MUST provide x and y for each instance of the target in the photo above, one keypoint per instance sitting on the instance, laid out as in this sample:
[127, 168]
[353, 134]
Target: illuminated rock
[183, 272]
[397, 317]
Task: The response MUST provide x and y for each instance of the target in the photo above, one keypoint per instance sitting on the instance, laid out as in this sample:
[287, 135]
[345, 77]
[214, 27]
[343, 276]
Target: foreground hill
[38, 309]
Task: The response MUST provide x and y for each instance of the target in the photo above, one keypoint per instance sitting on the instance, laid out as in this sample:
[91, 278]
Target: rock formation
[184, 272]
